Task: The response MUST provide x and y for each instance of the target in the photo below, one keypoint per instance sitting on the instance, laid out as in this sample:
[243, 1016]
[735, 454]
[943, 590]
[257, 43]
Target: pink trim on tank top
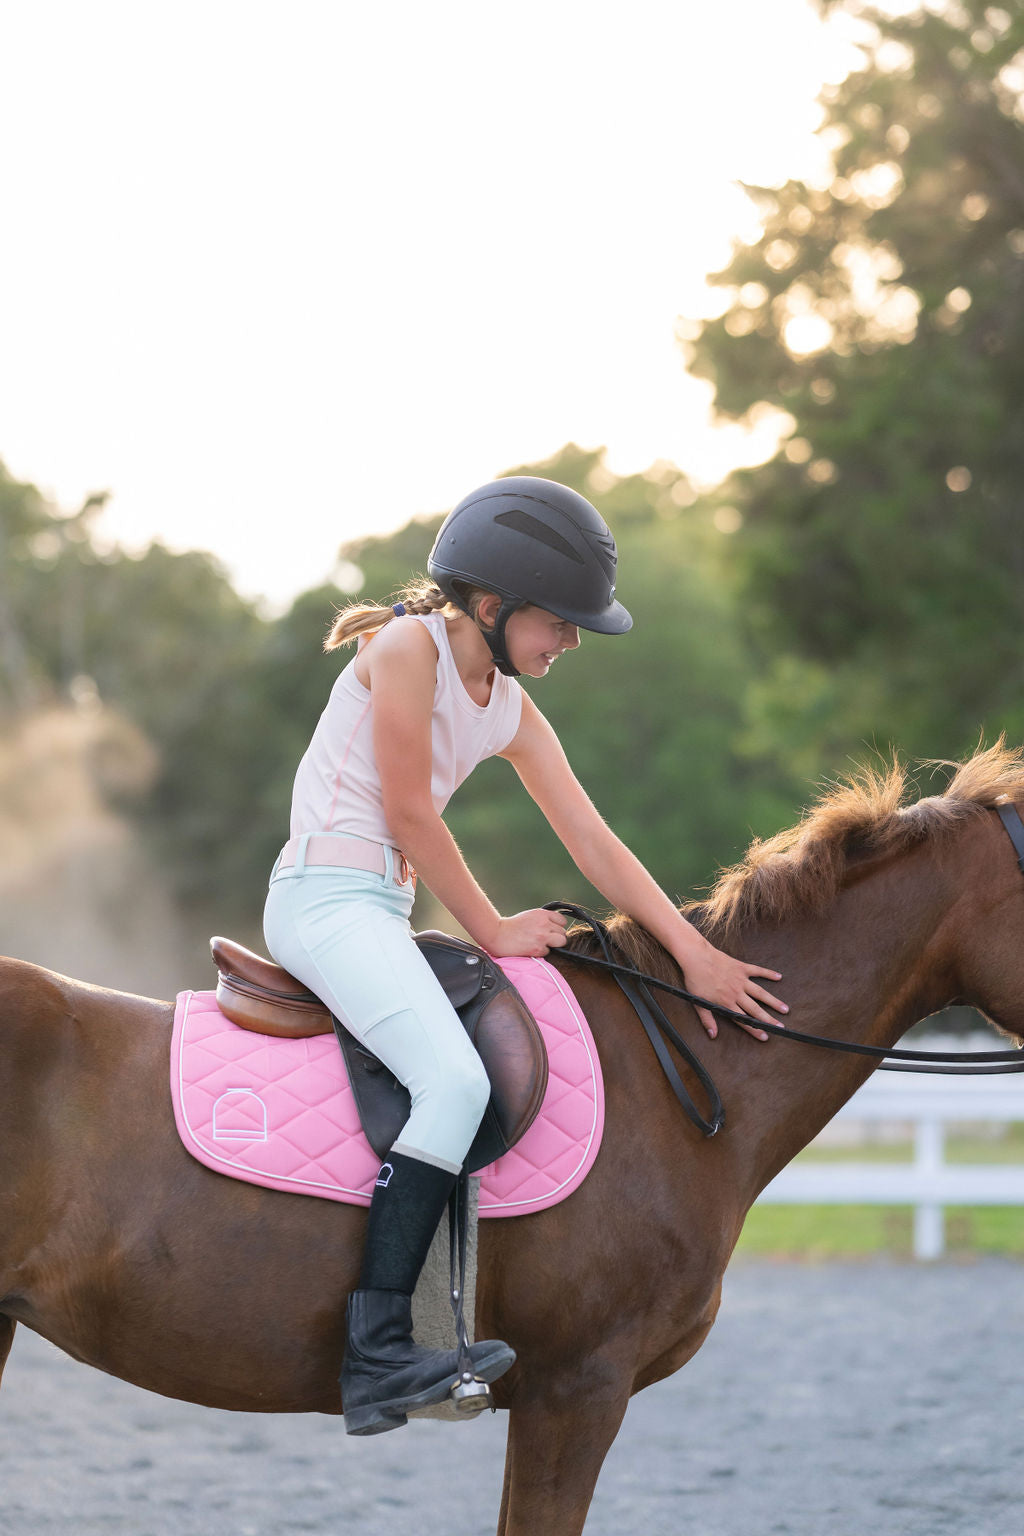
[362, 641]
[344, 758]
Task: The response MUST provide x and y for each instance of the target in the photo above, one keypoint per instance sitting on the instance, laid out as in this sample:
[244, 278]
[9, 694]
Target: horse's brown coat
[132, 1257]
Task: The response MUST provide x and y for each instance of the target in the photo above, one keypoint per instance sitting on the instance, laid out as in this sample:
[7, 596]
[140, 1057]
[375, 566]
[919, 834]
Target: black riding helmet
[530, 541]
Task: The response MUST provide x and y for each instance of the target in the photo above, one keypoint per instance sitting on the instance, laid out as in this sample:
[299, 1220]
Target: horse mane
[800, 870]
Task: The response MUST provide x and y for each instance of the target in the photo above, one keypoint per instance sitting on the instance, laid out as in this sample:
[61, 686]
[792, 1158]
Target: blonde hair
[420, 595]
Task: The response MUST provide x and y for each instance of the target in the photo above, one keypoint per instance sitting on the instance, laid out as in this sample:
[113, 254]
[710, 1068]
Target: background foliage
[881, 557]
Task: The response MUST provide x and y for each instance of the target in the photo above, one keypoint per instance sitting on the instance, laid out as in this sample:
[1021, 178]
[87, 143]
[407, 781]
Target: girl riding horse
[517, 570]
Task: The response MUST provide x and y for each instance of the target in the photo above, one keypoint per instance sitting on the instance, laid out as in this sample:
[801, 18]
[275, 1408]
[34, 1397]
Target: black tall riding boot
[385, 1374]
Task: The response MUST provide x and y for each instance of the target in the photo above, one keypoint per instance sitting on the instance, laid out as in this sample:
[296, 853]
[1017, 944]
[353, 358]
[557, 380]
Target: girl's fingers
[766, 997]
[754, 1012]
[711, 1024]
[749, 1002]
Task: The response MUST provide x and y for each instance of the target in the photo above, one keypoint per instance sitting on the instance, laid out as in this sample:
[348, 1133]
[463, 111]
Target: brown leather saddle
[256, 994]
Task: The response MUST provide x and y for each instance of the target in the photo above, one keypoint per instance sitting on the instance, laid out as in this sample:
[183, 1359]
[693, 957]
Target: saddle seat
[258, 995]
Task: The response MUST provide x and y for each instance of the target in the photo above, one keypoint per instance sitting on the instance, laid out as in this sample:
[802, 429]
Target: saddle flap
[511, 1047]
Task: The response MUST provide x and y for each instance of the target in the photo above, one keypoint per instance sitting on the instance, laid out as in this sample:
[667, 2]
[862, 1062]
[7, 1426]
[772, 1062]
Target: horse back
[45, 1008]
[71, 1054]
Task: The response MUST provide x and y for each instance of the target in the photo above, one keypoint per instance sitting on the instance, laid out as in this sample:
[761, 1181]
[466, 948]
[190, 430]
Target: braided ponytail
[420, 596]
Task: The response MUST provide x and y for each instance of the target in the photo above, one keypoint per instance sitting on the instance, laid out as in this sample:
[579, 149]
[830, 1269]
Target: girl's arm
[400, 669]
[608, 864]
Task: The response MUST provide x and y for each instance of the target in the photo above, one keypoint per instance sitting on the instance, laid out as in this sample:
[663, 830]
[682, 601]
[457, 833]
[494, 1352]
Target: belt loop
[300, 854]
[389, 865]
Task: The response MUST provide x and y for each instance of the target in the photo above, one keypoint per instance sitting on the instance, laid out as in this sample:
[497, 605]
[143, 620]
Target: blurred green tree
[881, 565]
[32, 535]
[166, 640]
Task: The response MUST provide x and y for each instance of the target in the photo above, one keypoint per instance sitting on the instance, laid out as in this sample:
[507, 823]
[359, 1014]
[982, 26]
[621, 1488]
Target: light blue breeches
[345, 934]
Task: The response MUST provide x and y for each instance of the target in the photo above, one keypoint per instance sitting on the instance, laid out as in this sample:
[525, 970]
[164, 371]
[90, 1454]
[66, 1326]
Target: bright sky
[281, 274]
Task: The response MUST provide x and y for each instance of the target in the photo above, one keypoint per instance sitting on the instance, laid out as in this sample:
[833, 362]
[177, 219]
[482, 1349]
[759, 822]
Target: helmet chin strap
[496, 637]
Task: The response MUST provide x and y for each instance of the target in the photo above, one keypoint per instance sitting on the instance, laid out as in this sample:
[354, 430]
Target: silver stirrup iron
[470, 1396]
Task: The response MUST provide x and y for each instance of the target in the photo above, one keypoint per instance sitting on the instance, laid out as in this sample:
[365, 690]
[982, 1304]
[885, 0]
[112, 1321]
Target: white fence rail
[929, 1183]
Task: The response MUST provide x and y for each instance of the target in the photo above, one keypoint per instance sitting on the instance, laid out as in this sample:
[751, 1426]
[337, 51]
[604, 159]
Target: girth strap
[656, 1027]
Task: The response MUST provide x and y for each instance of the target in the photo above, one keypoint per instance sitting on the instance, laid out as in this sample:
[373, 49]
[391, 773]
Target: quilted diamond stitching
[314, 1143]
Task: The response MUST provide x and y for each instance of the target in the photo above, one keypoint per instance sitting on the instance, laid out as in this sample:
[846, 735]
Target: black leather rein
[637, 984]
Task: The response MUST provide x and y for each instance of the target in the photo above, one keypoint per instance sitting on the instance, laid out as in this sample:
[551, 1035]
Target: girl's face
[535, 639]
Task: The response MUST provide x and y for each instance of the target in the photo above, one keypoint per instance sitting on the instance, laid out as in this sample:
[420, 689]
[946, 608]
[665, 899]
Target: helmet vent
[603, 546]
[533, 528]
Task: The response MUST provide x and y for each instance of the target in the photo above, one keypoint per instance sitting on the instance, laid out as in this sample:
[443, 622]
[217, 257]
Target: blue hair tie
[399, 609]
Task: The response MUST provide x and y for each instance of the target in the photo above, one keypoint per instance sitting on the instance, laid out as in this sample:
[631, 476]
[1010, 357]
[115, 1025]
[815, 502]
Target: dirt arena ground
[872, 1399]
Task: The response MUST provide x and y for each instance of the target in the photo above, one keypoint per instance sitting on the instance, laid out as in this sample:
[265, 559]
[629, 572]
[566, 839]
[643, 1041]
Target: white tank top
[337, 786]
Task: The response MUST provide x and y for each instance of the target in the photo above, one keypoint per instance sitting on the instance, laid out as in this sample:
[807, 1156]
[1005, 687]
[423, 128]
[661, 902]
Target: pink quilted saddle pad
[282, 1113]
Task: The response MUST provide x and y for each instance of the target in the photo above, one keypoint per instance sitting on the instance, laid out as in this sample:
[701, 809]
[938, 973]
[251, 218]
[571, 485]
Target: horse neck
[878, 960]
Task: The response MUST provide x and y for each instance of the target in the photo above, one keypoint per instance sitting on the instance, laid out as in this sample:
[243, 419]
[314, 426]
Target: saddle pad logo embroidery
[281, 1112]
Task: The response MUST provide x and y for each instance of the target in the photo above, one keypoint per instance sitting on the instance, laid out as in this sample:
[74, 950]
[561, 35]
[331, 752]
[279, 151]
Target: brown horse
[119, 1248]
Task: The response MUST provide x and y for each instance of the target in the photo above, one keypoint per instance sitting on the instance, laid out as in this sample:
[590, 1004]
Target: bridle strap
[1010, 818]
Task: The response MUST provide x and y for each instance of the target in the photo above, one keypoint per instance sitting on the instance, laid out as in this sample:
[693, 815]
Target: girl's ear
[487, 610]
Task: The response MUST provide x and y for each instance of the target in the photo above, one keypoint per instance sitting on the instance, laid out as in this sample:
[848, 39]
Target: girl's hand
[721, 979]
[528, 933]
